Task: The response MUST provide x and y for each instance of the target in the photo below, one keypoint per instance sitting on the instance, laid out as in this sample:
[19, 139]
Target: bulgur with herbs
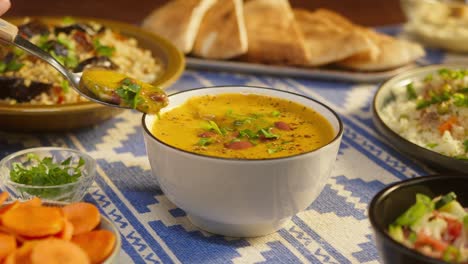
[78, 46]
[432, 112]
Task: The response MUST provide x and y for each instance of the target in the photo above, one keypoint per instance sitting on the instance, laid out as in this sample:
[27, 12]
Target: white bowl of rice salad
[35, 97]
[424, 113]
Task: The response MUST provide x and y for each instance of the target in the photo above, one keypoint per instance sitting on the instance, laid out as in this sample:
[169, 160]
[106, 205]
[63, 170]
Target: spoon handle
[8, 31]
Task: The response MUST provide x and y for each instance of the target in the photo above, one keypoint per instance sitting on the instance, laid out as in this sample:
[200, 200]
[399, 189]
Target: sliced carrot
[8, 207]
[84, 216]
[67, 231]
[447, 125]
[97, 244]
[7, 245]
[53, 251]
[3, 197]
[36, 201]
[34, 221]
[21, 255]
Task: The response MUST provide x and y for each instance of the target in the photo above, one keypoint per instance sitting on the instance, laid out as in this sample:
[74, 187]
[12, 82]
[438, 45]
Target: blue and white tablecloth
[333, 229]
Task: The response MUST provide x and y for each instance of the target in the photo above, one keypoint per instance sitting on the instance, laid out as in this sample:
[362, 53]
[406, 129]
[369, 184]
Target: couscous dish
[26, 79]
[432, 112]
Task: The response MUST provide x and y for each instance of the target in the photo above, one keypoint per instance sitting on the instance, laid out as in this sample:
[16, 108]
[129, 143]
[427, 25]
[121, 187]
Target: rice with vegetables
[432, 112]
[25, 79]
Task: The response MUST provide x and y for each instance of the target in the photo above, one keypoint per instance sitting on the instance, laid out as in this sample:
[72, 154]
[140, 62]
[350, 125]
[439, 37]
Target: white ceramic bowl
[241, 198]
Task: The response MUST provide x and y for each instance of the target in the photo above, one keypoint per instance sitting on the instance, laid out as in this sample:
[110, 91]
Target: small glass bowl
[70, 192]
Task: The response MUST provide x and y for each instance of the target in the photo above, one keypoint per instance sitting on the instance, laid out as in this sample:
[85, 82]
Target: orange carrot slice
[3, 197]
[34, 221]
[54, 251]
[84, 216]
[8, 207]
[21, 255]
[32, 202]
[97, 244]
[67, 231]
[7, 245]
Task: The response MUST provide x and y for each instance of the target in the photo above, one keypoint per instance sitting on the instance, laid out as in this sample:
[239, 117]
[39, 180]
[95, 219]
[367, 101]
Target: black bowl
[395, 199]
[383, 95]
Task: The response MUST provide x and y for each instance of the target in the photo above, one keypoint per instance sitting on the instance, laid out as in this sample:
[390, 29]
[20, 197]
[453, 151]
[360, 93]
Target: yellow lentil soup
[243, 126]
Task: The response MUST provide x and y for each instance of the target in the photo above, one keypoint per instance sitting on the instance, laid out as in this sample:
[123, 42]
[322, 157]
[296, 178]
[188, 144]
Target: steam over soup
[243, 126]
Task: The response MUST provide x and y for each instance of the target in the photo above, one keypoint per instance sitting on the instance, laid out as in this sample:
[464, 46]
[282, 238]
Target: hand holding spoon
[98, 85]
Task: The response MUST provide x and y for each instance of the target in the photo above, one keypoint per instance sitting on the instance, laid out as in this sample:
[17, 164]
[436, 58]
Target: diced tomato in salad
[435, 227]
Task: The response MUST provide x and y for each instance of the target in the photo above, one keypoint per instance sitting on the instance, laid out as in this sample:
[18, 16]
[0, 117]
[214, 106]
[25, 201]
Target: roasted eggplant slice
[17, 89]
[35, 27]
[85, 28]
[99, 62]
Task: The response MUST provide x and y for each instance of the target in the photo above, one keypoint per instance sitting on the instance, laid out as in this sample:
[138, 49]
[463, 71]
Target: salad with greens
[435, 227]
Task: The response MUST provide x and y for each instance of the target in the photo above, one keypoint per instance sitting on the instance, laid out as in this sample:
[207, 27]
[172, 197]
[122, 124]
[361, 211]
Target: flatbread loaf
[330, 37]
[178, 21]
[393, 53]
[272, 32]
[222, 33]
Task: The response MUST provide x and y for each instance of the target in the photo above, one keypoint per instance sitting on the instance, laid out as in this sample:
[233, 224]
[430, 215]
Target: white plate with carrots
[36, 232]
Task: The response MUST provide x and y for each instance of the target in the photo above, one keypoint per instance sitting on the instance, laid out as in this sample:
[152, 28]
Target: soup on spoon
[118, 89]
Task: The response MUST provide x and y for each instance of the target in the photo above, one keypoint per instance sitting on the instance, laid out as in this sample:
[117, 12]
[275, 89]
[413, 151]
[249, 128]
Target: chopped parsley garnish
[248, 133]
[235, 131]
[211, 125]
[46, 172]
[70, 61]
[65, 86]
[43, 42]
[18, 52]
[428, 78]
[411, 93]
[267, 134]
[274, 150]
[204, 141]
[65, 41]
[103, 50]
[128, 92]
[276, 113]
[460, 100]
[67, 56]
[12, 64]
[465, 144]
[452, 74]
[435, 99]
[432, 145]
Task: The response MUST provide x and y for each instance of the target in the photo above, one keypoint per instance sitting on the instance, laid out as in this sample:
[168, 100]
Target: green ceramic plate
[29, 118]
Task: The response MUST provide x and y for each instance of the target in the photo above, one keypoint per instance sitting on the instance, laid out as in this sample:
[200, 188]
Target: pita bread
[273, 34]
[329, 37]
[178, 21]
[222, 33]
[393, 53]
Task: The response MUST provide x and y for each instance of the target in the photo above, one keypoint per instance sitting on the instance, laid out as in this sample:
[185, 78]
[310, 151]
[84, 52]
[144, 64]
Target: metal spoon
[9, 34]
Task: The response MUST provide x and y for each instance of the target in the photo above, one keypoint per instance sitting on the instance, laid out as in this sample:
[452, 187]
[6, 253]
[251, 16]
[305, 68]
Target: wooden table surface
[365, 12]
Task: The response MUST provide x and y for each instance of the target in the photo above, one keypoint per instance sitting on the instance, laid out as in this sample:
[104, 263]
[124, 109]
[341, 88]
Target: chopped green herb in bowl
[51, 173]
